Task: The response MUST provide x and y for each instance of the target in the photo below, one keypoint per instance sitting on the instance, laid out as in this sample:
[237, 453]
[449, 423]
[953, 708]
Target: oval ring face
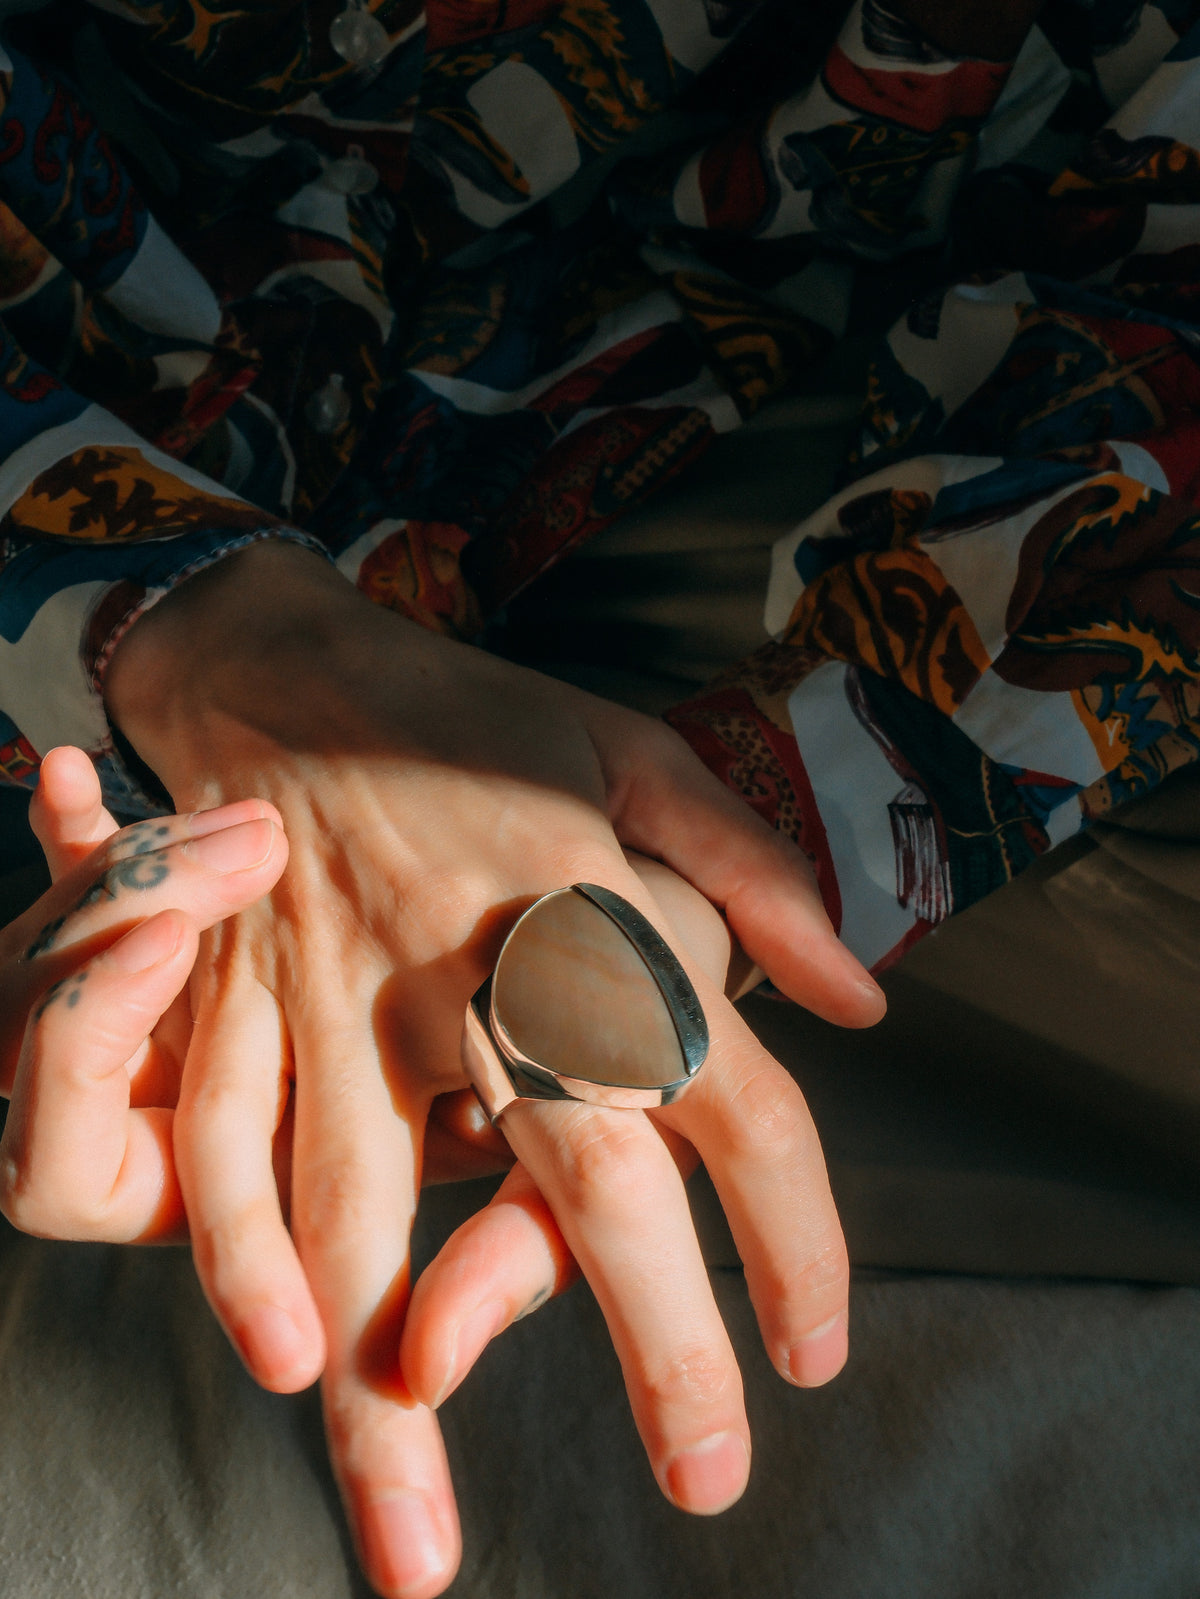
[575, 995]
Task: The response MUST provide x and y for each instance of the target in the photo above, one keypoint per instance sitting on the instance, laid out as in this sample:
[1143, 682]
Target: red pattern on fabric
[208, 399]
[458, 22]
[18, 760]
[33, 388]
[416, 571]
[61, 120]
[122, 239]
[697, 721]
[923, 101]
[13, 139]
[572, 392]
[734, 182]
[580, 486]
[1174, 378]
[1178, 453]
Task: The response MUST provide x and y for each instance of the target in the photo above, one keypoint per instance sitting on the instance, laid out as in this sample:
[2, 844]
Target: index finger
[75, 1160]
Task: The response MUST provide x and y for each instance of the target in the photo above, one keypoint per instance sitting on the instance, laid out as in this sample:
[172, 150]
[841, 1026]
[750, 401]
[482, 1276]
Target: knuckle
[696, 1378]
[228, 1242]
[767, 1114]
[342, 1427]
[55, 1043]
[30, 1208]
[599, 1162]
[337, 1201]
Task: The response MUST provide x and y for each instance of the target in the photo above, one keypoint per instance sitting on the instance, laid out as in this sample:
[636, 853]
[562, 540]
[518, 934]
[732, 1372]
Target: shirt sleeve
[99, 311]
[96, 526]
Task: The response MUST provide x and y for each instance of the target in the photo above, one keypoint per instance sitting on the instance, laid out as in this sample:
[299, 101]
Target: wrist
[264, 648]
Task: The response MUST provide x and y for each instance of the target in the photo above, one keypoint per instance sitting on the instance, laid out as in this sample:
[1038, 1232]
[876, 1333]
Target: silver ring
[587, 1002]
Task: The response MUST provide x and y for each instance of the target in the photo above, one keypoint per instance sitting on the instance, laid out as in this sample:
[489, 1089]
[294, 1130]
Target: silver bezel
[502, 1073]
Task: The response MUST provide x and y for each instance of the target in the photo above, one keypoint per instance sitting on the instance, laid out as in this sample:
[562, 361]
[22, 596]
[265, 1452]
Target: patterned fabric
[991, 635]
[442, 290]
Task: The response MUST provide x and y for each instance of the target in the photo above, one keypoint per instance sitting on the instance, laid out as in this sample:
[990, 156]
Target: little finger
[753, 1130]
[499, 1266]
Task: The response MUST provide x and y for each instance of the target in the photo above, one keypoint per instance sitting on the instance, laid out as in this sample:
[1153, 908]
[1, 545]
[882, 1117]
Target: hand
[68, 817]
[97, 965]
[431, 792]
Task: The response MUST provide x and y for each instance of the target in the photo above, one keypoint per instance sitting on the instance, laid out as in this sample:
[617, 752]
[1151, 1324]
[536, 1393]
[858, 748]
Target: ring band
[587, 1002]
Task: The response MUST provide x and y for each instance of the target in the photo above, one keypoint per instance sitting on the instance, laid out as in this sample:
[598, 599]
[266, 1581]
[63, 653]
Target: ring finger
[616, 1193]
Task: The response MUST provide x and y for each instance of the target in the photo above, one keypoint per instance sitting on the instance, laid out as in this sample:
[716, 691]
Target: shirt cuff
[65, 605]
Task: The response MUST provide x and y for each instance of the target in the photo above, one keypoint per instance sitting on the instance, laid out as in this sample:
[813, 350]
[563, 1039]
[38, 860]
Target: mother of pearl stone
[574, 995]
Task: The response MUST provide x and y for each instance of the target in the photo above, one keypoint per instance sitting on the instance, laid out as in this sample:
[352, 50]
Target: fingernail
[274, 1348]
[148, 945]
[871, 991]
[820, 1354]
[473, 1337]
[402, 1545]
[233, 849]
[710, 1476]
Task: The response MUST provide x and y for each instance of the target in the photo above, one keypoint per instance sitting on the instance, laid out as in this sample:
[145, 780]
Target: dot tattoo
[67, 988]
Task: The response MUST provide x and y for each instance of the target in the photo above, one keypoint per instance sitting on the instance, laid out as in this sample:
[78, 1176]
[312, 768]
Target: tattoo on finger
[67, 989]
[141, 839]
[146, 868]
[535, 1303]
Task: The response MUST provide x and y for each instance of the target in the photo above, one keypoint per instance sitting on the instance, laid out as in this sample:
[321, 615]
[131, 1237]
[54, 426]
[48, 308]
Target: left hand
[94, 1022]
[431, 792]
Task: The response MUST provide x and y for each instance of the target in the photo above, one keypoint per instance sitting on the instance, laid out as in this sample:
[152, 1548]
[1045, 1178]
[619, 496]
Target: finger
[75, 1161]
[155, 1075]
[233, 1095]
[460, 1141]
[353, 1199]
[67, 811]
[500, 1265]
[617, 1197]
[751, 1126]
[749, 1121]
[668, 805]
[206, 866]
[207, 877]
